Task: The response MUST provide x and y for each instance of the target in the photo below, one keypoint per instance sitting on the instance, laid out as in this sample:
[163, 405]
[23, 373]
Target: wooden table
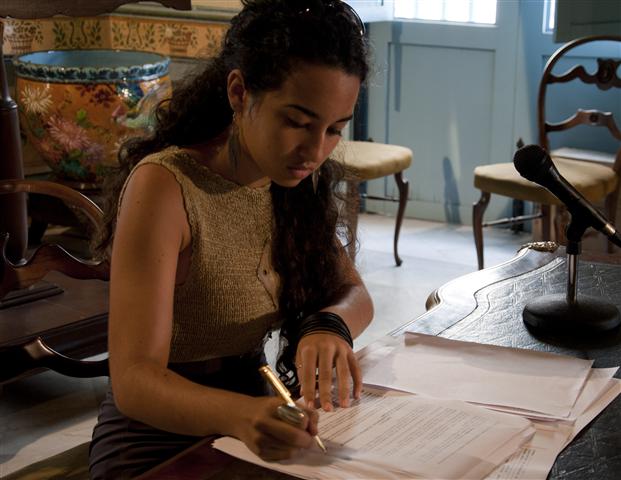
[486, 307]
[73, 323]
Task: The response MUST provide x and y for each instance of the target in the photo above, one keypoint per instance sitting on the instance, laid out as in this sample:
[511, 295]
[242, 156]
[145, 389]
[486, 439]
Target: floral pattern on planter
[78, 127]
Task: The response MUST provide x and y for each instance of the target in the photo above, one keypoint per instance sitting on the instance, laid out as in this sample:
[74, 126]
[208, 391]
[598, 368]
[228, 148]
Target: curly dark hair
[265, 41]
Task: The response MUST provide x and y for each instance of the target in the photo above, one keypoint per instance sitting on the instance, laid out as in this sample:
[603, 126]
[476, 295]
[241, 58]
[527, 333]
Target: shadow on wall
[451, 194]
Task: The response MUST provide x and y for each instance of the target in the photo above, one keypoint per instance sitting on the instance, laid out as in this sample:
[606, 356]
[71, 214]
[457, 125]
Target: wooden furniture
[43, 324]
[57, 332]
[368, 161]
[485, 307]
[594, 174]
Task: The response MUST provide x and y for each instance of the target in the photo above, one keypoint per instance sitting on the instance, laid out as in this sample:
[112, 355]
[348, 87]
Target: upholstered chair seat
[592, 180]
[368, 161]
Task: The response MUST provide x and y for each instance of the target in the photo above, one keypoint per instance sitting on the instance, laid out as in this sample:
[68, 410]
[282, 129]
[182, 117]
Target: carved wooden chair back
[18, 354]
[47, 258]
[604, 78]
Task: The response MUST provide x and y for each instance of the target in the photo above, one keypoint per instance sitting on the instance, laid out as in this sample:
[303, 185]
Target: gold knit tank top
[228, 301]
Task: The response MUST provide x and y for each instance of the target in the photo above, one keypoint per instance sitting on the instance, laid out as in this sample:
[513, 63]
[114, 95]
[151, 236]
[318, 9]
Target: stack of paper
[450, 409]
[560, 394]
[536, 384]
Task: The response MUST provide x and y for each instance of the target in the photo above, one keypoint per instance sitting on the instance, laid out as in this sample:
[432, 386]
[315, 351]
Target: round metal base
[552, 314]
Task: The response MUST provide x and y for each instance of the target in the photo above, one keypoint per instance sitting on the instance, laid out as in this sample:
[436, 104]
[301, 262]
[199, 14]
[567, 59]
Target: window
[462, 11]
[548, 16]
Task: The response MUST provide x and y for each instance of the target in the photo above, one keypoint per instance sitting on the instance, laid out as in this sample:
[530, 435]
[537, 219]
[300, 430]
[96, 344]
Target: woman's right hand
[271, 438]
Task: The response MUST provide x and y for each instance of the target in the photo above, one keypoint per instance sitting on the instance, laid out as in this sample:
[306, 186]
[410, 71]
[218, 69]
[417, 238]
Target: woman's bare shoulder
[153, 199]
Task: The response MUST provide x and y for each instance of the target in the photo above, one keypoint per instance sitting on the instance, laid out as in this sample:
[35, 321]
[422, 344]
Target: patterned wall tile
[177, 38]
[82, 33]
[22, 36]
[130, 34]
[174, 37]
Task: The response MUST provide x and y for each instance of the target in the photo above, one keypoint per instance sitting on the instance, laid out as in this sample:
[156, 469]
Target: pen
[283, 393]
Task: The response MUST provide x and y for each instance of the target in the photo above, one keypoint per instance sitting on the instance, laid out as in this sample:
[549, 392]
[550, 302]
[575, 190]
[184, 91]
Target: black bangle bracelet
[325, 322]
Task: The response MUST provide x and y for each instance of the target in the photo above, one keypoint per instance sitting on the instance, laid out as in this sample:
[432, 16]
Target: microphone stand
[570, 313]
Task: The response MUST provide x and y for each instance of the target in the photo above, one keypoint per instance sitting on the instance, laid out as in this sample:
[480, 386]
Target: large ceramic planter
[78, 106]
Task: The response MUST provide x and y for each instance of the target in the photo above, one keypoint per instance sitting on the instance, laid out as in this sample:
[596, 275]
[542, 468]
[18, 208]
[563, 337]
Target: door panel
[447, 91]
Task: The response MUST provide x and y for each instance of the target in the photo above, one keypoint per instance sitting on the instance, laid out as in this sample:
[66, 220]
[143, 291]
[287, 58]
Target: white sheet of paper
[409, 436]
[486, 374]
[599, 381]
[376, 351]
[595, 408]
[596, 384]
[535, 459]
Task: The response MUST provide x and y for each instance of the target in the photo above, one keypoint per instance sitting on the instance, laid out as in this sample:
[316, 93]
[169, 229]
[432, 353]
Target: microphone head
[532, 161]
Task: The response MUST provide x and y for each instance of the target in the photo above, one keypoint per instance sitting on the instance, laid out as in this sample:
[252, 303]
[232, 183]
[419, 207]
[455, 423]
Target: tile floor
[46, 414]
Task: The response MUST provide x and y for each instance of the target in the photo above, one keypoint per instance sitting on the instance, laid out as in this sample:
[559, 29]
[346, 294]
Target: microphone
[533, 163]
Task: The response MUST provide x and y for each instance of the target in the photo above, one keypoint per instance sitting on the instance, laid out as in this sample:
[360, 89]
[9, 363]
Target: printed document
[406, 435]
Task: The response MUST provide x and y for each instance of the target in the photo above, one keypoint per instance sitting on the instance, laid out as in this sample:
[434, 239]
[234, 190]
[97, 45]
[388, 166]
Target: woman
[227, 229]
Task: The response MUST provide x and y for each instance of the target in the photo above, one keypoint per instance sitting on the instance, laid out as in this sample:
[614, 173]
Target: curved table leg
[404, 187]
[478, 209]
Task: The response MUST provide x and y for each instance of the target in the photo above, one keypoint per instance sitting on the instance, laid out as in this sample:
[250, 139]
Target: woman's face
[288, 133]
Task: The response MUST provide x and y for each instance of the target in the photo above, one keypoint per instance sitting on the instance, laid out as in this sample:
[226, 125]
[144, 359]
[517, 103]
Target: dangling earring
[234, 147]
[315, 179]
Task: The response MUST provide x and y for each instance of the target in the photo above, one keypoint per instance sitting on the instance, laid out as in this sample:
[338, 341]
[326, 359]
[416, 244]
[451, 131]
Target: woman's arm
[152, 230]
[323, 352]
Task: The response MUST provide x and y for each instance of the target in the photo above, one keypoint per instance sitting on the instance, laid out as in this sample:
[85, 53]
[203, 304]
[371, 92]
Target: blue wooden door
[447, 91]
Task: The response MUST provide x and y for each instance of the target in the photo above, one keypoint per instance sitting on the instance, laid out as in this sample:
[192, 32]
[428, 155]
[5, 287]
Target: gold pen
[282, 391]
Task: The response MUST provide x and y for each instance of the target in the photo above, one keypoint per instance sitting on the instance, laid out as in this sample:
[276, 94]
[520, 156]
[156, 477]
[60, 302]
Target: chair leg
[353, 209]
[404, 188]
[478, 209]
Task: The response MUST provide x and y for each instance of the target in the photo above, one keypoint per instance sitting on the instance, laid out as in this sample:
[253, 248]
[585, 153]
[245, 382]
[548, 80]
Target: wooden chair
[26, 328]
[594, 174]
[368, 161]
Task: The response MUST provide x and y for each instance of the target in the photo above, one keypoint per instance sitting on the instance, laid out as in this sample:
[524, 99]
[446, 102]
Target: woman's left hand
[322, 352]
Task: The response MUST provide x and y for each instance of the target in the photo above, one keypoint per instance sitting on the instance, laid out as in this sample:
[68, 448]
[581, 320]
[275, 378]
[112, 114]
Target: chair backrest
[604, 78]
[47, 257]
